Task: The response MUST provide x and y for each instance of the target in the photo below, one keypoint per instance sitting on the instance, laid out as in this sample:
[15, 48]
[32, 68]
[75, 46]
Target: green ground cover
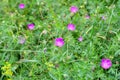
[38, 58]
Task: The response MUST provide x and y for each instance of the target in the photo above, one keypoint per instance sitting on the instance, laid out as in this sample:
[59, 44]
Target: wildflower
[6, 66]
[21, 40]
[103, 18]
[21, 6]
[71, 27]
[6, 69]
[59, 42]
[31, 26]
[80, 38]
[8, 73]
[106, 63]
[49, 65]
[73, 9]
[87, 17]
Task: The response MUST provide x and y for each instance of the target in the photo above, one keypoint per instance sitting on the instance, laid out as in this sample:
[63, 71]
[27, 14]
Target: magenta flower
[21, 40]
[31, 26]
[106, 63]
[71, 27]
[21, 6]
[59, 42]
[73, 9]
[80, 38]
[87, 17]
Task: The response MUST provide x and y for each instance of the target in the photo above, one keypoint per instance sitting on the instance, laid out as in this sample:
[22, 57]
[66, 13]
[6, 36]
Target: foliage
[39, 59]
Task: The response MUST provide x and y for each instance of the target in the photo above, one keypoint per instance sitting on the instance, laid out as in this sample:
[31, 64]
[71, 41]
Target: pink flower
[71, 27]
[106, 63]
[21, 6]
[87, 17]
[31, 26]
[73, 9]
[80, 38]
[21, 40]
[59, 42]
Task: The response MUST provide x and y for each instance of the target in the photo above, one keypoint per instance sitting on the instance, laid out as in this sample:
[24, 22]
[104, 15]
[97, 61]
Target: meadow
[59, 39]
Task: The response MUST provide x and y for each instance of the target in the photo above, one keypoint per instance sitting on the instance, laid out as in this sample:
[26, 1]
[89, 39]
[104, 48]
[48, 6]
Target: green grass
[75, 60]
